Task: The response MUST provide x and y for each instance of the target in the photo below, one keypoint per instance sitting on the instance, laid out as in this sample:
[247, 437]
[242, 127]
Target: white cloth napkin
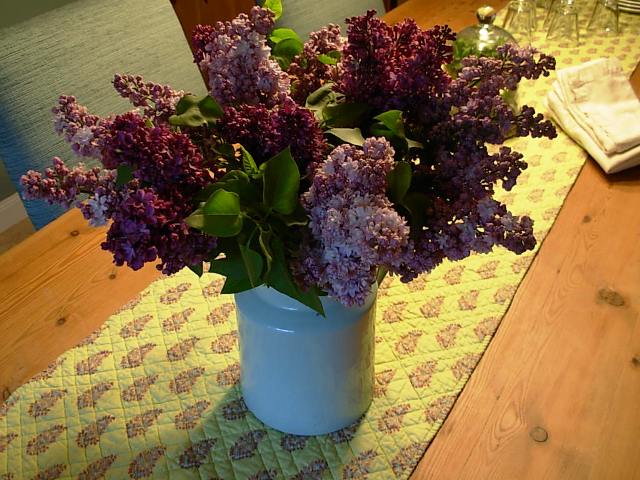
[595, 105]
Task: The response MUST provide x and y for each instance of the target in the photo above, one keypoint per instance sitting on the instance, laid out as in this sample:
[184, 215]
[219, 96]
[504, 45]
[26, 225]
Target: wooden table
[556, 395]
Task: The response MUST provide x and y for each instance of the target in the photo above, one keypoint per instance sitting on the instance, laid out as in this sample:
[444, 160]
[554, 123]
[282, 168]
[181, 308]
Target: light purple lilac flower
[158, 101]
[354, 227]
[82, 130]
[236, 59]
[62, 185]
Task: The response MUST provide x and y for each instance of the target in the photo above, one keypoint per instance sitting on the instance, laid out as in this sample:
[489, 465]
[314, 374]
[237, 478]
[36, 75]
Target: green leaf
[197, 269]
[185, 103]
[329, 58]
[399, 181]
[225, 149]
[280, 34]
[285, 50]
[380, 274]
[392, 119]
[248, 163]
[349, 135]
[275, 6]
[281, 279]
[232, 267]
[319, 97]
[219, 216]
[252, 263]
[416, 204]
[210, 109]
[264, 240]
[281, 182]
[344, 114]
[192, 111]
[124, 174]
[298, 218]
[235, 181]
[414, 144]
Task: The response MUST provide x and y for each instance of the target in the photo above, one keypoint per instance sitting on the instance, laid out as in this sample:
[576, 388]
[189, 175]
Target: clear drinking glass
[604, 18]
[520, 20]
[563, 22]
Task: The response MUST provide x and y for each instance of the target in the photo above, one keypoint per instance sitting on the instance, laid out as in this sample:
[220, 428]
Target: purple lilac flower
[147, 227]
[393, 67]
[158, 155]
[458, 178]
[353, 225]
[82, 130]
[236, 59]
[61, 185]
[306, 71]
[158, 101]
[266, 132]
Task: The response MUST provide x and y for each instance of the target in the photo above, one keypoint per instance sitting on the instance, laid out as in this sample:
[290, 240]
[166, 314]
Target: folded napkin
[595, 104]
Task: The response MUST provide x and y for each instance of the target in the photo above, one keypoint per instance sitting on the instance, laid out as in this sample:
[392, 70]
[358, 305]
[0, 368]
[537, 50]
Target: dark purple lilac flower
[393, 67]
[265, 132]
[306, 71]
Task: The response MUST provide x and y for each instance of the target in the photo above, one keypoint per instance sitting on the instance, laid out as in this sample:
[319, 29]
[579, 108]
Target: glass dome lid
[485, 37]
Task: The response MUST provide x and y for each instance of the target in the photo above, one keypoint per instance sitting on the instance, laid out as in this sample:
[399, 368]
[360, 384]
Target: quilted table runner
[154, 392]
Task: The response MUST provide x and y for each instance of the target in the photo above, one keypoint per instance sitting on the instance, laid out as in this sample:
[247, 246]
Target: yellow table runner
[155, 392]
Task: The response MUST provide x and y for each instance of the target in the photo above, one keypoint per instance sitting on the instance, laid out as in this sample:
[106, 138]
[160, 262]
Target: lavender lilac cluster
[354, 227]
[236, 59]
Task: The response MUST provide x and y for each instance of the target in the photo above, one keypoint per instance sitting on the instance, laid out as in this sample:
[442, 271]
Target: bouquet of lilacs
[314, 168]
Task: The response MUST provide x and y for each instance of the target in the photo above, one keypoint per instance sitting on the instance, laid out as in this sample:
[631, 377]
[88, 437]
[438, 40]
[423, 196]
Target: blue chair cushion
[75, 49]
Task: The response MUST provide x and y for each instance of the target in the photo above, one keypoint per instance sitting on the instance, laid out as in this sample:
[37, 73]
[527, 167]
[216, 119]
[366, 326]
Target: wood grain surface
[56, 288]
[557, 394]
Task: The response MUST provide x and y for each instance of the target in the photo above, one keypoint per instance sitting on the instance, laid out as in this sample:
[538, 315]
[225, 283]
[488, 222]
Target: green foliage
[281, 183]
[285, 50]
[255, 213]
[252, 264]
[280, 278]
[279, 34]
[275, 6]
[192, 111]
[248, 163]
[390, 125]
[463, 48]
[399, 181]
[219, 216]
[348, 135]
[233, 267]
[416, 204]
[329, 58]
[124, 174]
[343, 115]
